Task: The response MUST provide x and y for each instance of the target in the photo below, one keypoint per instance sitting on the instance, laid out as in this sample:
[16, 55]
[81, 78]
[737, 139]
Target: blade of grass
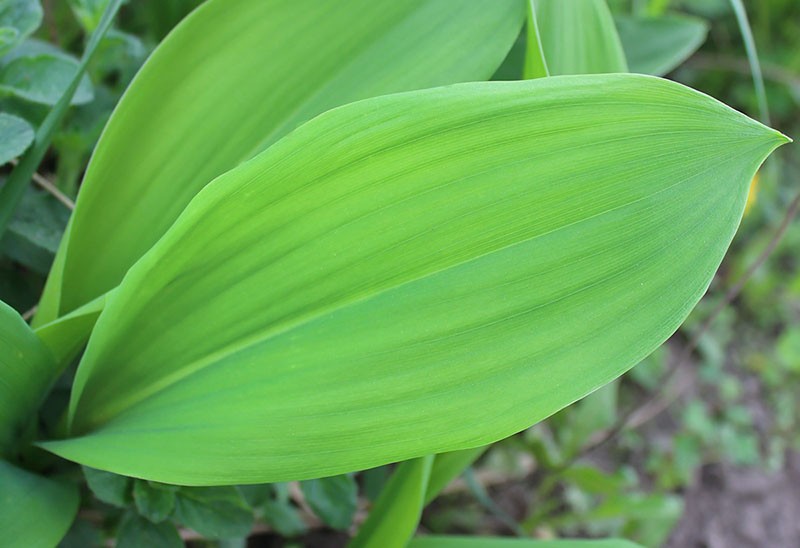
[12, 191]
[752, 56]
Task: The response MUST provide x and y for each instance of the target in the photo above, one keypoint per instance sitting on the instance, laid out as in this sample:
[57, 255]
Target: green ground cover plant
[318, 238]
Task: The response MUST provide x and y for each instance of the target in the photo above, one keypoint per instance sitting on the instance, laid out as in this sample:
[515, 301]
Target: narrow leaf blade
[395, 516]
[26, 372]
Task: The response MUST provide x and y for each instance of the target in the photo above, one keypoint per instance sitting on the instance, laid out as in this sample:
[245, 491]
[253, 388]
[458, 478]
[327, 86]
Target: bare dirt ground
[729, 507]
[735, 507]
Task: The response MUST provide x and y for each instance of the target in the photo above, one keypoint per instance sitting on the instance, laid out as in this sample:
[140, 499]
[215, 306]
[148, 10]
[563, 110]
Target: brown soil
[741, 507]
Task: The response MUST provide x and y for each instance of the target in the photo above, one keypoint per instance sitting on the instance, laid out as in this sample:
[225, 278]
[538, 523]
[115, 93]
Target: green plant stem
[13, 190]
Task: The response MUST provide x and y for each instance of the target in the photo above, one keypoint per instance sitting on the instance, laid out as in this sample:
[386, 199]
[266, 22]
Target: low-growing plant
[312, 241]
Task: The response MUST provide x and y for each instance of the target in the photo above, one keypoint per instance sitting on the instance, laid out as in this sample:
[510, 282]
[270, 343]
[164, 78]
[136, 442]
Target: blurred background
[696, 446]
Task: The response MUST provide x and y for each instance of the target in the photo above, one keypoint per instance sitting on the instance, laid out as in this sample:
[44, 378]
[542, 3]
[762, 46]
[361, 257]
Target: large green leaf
[579, 37]
[657, 45]
[233, 78]
[26, 372]
[414, 274]
[35, 512]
